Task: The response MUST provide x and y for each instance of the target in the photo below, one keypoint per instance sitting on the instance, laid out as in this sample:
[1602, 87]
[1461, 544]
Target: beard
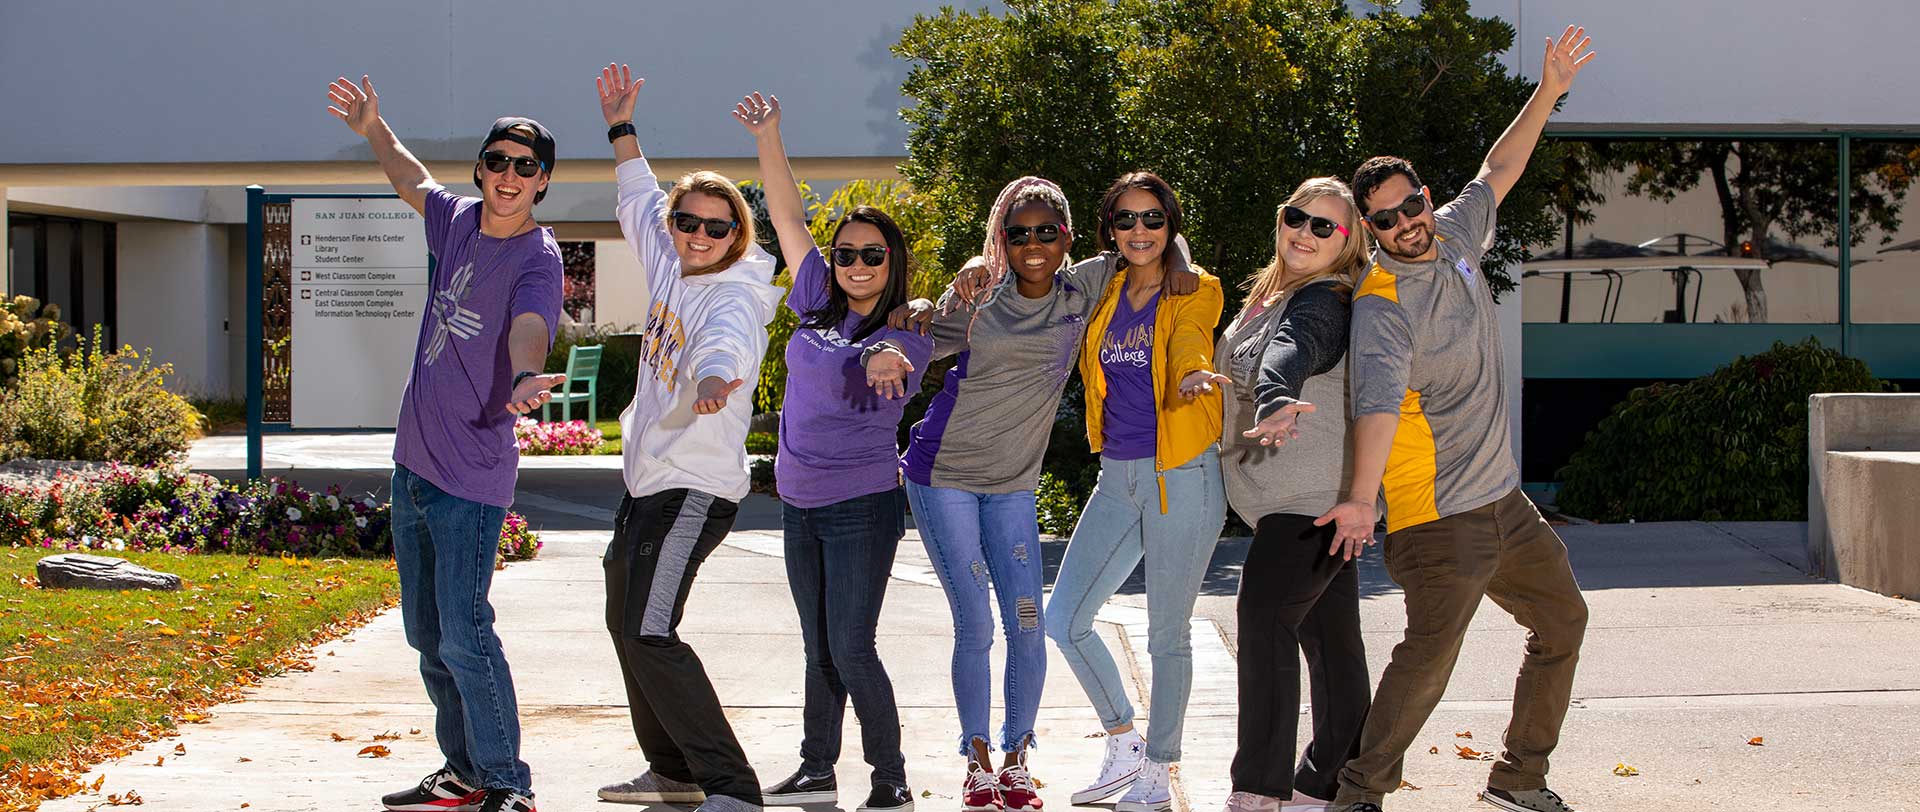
[1405, 251]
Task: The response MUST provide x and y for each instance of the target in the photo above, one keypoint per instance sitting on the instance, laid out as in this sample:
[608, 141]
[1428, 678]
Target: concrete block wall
[1863, 490]
[173, 285]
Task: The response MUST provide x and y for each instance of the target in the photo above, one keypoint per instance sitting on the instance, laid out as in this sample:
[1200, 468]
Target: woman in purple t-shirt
[1153, 414]
[848, 379]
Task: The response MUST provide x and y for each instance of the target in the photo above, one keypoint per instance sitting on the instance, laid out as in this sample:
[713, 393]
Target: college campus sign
[359, 284]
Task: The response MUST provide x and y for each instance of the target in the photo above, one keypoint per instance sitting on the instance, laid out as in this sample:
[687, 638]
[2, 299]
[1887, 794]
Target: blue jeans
[839, 559]
[977, 539]
[1121, 524]
[444, 548]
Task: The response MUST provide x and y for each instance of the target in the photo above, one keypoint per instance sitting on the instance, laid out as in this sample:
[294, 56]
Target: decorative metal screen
[276, 322]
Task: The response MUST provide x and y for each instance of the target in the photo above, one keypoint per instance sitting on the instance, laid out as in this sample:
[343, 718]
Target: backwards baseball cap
[541, 143]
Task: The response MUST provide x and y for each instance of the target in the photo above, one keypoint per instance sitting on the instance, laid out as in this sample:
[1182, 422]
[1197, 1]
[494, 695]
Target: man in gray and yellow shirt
[1430, 429]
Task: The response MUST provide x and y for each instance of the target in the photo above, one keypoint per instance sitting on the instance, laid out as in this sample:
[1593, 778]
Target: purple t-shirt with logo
[837, 436]
[454, 429]
[1128, 422]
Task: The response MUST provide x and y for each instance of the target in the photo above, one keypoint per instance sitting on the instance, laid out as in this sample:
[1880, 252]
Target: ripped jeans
[977, 540]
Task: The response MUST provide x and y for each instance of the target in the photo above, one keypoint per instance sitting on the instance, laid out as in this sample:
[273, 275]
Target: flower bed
[570, 437]
[169, 510]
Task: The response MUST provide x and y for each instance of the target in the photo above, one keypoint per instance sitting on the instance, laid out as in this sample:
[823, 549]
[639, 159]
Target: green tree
[1764, 187]
[1233, 101]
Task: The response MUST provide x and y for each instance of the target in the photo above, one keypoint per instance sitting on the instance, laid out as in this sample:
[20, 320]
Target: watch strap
[623, 128]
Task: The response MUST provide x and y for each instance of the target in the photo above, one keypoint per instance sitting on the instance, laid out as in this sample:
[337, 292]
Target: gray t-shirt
[1293, 351]
[1426, 346]
[987, 429]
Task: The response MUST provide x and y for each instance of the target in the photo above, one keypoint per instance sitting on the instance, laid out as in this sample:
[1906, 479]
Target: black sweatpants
[1294, 598]
[659, 542]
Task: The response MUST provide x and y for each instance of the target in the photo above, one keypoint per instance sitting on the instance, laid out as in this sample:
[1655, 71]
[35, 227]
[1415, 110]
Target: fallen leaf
[375, 751]
[1758, 741]
[1434, 750]
[337, 737]
[1405, 785]
[160, 762]
[1624, 771]
[180, 749]
[413, 732]
[1464, 734]
[244, 806]
[386, 737]
[244, 759]
[193, 717]
[168, 631]
[1469, 753]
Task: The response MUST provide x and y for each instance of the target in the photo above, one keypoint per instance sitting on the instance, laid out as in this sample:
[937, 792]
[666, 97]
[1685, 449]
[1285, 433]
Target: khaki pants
[1505, 551]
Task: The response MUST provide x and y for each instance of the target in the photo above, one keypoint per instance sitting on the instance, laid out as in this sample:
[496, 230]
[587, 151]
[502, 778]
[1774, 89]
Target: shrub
[94, 405]
[26, 325]
[1728, 446]
[568, 438]
[761, 442]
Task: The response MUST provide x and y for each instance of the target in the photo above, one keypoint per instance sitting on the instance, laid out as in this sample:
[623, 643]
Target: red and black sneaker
[1017, 792]
[440, 792]
[506, 800]
[981, 793]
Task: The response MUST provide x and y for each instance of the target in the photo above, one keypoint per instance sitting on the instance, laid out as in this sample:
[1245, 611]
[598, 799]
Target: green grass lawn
[609, 429]
[84, 670]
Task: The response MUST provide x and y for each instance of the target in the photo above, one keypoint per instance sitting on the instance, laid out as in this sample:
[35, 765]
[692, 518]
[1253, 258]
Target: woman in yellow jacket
[1153, 415]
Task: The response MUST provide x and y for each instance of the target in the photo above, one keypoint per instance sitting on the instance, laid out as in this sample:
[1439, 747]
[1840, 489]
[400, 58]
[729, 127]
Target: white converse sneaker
[1126, 753]
[1152, 791]
[1302, 802]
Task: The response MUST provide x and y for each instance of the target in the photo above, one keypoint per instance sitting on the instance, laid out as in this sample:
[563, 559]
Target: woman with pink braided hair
[1015, 317]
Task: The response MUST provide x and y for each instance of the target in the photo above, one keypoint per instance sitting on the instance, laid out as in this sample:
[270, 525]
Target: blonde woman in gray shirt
[1283, 456]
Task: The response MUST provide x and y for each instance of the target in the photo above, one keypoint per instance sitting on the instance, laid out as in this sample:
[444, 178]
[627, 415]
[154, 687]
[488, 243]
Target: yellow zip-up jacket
[1182, 343]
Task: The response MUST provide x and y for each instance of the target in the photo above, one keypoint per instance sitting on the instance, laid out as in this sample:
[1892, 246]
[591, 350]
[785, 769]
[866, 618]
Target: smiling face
[1410, 238]
[862, 283]
[1140, 245]
[699, 252]
[1036, 261]
[1302, 253]
[506, 195]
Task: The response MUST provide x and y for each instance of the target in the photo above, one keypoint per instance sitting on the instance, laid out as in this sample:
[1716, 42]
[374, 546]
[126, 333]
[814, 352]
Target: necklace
[473, 244]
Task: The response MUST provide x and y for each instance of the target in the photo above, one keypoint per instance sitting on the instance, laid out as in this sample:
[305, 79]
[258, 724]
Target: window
[1886, 250]
[68, 263]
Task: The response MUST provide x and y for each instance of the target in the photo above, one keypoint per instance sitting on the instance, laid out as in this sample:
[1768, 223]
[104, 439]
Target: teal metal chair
[583, 366]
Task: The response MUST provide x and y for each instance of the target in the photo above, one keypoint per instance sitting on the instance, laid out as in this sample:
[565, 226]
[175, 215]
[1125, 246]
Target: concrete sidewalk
[1704, 636]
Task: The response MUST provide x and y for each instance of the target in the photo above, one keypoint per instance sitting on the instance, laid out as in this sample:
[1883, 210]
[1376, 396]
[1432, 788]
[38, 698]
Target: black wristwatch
[623, 128]
[524, 374]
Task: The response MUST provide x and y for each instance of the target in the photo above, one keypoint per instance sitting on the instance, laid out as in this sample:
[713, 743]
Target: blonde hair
[1346, 266]
[713, 183]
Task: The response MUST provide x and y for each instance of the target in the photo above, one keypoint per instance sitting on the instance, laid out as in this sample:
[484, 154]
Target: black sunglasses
[1046, 233]
[1153, 219]
[687, 222]
[496, 162]
[1322, 227]
[1410, 208]
[873, 256]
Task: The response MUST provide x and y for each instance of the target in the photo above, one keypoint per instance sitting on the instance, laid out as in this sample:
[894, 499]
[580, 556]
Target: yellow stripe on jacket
[1182, 343]
[1412, 463]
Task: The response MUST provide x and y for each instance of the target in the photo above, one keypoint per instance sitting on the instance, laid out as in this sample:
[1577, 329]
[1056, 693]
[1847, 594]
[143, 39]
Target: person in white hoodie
[711, 296]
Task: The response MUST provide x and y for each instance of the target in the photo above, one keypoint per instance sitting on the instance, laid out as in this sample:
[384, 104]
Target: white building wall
[617, 289]
[173, 299]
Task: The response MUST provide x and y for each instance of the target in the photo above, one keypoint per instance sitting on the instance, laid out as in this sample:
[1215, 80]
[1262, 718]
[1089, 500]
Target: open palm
[1565, 59]
[618, 90]
[758, 113]
[357, 105]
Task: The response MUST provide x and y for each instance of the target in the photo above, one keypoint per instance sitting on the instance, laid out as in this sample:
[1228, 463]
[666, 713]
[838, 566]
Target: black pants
[1293, 598]
[659, 542]
[839, 558]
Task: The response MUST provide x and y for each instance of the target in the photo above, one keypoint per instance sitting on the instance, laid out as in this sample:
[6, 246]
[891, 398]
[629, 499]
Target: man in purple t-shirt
[494, 303]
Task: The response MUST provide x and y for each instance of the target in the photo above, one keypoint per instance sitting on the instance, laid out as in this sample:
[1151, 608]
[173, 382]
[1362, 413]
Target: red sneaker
[981, 793]
[1017, 792]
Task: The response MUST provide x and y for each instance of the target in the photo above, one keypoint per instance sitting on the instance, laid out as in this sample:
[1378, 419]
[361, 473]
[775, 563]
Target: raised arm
[359, 106]
[761, 116]
[639, 203]
[1507, 160]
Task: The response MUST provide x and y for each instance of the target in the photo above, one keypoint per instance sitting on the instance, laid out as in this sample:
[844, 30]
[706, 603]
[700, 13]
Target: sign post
[351, 280]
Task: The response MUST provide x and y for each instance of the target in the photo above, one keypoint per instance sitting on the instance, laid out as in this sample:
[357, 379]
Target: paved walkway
[1703, 637]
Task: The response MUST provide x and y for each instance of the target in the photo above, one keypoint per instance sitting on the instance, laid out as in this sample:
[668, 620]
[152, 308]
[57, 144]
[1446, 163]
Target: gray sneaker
[1531, 800]
[727, 803]
[650, 788]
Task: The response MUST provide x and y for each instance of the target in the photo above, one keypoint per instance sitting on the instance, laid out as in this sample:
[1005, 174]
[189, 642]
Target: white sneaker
[1152, 790]
[1126, 753]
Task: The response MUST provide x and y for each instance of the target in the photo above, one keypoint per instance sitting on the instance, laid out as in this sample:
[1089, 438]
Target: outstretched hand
[618, 91]
[533, 392]
[1565, 59]
[711, 396]
[1280, 426]
[1202, 381]
[357, 105]
[1353, 528]
[887, 373]
[759, 114]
